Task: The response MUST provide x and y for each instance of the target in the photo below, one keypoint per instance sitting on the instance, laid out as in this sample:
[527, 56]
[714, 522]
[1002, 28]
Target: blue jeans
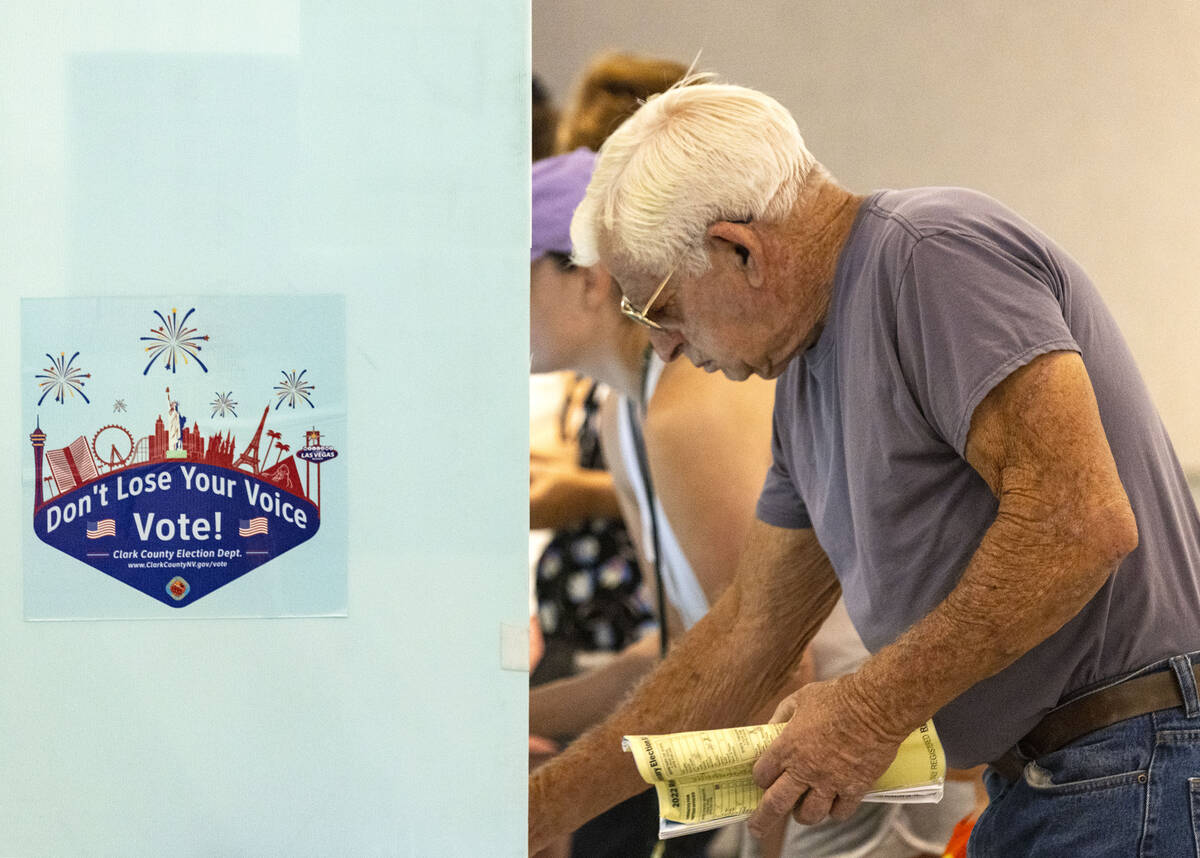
[1131, 790]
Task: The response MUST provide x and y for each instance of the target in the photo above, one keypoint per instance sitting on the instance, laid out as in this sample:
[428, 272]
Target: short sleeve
[779, 503]
[969, 313]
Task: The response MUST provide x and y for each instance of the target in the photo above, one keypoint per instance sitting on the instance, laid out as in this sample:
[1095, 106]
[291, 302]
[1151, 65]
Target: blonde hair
[698, 153]
[612, 87]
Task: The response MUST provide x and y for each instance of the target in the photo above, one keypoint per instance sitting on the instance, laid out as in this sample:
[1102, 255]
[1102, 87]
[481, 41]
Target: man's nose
[668, 345]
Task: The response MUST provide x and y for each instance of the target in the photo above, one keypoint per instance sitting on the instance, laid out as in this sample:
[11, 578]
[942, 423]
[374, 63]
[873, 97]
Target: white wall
[1083, 116]
[402, 133]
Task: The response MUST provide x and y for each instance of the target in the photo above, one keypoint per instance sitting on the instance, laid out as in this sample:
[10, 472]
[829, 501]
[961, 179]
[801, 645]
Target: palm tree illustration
[274, 436]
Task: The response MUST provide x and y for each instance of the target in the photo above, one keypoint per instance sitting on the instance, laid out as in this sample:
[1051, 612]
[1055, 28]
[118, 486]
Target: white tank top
[680, 585]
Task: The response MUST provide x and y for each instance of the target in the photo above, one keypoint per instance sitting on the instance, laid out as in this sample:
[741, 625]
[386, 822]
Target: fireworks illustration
[292, 388]
[174, 340]
[62, 378]
[119, 405]
[223, 405]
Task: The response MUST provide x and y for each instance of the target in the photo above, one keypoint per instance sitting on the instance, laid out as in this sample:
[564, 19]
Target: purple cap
[559, 184]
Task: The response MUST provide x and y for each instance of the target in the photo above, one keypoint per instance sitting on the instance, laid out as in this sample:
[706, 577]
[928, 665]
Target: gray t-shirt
[940, 293]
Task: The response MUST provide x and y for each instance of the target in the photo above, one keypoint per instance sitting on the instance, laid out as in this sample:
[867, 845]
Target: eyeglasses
[640, 316]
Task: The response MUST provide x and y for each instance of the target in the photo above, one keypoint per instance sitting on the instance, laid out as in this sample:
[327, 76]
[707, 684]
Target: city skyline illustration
[246, 356]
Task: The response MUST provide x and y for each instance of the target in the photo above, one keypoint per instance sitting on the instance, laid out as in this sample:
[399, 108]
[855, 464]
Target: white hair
[689, 157]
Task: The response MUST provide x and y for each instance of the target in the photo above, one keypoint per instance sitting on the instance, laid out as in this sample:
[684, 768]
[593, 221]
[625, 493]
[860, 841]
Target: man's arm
[708, 440]
[728, 665]
[1063, 526]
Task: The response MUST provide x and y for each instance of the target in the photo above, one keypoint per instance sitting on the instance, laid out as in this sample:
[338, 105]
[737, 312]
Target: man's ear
[741, 240]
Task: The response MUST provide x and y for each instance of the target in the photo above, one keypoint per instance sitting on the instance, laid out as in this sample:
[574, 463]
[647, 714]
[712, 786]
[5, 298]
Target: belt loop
[1182, 665]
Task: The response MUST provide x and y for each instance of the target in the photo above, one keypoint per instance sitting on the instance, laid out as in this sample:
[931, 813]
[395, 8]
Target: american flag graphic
[104, 527]
[253, 527]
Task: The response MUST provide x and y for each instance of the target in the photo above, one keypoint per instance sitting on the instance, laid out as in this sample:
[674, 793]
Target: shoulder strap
[639, 446]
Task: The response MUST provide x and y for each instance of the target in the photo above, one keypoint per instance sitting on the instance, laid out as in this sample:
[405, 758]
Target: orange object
[957, 847]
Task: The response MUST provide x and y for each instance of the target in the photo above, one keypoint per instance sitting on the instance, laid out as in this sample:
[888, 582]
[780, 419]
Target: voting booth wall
[262, 280]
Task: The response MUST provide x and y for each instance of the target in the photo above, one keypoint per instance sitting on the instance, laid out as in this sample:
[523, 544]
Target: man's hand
[826, 759]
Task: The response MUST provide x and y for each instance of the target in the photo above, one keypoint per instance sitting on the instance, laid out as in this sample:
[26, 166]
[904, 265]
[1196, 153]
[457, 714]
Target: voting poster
[186, 457]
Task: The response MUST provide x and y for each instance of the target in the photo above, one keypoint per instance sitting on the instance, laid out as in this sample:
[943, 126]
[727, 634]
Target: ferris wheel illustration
[119, 444]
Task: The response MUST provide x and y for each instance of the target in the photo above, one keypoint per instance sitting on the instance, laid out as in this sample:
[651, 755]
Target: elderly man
[963, 448]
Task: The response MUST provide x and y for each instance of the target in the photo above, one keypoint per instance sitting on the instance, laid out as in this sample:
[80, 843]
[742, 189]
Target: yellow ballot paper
[703, 779]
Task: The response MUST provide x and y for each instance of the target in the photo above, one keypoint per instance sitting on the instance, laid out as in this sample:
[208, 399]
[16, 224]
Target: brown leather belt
[1128, 699]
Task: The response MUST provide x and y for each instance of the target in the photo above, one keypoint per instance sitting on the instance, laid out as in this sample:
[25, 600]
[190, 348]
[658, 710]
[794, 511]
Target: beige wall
[1083, 116]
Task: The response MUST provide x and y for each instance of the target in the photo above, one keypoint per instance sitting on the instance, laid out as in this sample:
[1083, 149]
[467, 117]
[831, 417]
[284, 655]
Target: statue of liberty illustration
[175, 424]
